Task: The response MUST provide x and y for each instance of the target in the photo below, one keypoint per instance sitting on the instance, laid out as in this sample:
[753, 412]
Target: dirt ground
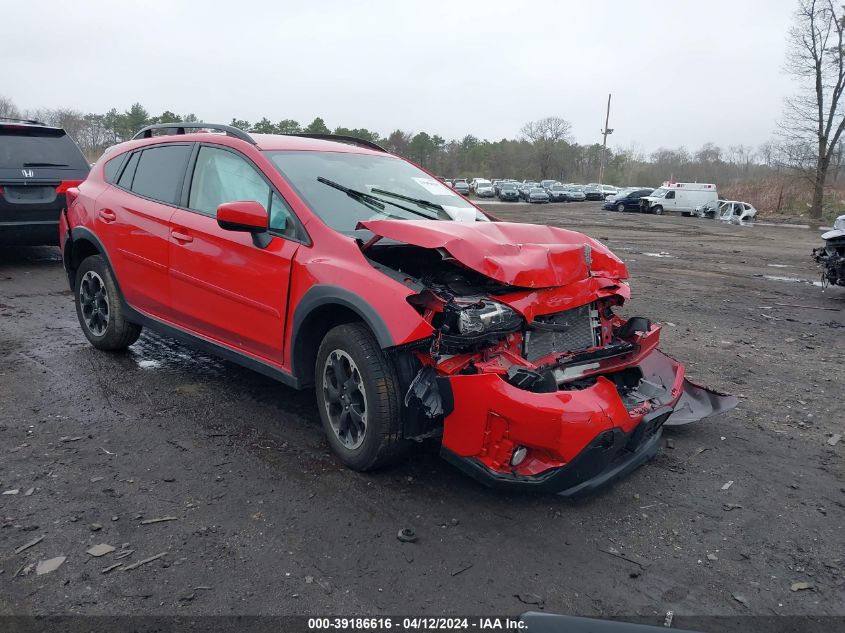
[261, 519]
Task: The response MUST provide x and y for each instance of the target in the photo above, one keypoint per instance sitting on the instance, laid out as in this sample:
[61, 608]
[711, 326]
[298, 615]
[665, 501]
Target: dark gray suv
[38, 164]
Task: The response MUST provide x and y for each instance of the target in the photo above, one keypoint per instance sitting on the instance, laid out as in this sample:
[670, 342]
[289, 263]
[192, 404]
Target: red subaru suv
[328, 262]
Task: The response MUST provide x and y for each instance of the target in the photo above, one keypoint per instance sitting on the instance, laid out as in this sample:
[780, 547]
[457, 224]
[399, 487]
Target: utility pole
[604, 133]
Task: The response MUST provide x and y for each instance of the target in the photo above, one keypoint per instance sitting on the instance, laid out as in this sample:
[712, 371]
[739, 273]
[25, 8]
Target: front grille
[583, 331]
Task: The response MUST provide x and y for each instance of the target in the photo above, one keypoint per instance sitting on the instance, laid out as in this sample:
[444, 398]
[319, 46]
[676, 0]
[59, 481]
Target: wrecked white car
[726, 210]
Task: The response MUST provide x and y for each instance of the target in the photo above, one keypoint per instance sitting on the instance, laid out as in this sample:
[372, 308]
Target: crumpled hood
[524, 255]
[833, 234]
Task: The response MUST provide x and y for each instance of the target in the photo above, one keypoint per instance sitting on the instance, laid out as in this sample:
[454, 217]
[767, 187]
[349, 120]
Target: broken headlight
[480, 316]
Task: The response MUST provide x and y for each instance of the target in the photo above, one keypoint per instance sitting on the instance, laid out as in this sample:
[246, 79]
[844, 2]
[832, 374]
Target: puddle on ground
[785, 225]
[793, 280]
[153, 352]
[789, 279]
[661, 254]
[779, 265]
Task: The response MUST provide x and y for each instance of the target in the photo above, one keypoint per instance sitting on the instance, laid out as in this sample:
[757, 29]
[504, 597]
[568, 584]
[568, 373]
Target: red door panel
[227, 289]
[139, 236]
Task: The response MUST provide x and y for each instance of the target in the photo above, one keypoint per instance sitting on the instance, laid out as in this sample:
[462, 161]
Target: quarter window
[222, 176]
[112, 168]
[126, 177]
[160, 172]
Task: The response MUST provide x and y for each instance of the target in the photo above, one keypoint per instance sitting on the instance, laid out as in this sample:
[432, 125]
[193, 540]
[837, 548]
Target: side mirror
[245, 216]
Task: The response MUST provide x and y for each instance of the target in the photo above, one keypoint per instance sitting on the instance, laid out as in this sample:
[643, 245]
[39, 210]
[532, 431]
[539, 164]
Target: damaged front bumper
[570, 442]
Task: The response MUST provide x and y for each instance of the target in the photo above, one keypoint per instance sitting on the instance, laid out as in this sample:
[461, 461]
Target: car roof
[268, 142]
[26, 124]
[302, 143]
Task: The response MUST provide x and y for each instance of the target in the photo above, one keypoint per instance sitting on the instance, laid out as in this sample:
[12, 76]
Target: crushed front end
[831, 257]
[540, 388]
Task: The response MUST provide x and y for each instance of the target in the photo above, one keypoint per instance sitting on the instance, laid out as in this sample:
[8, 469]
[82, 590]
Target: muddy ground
[263, 520]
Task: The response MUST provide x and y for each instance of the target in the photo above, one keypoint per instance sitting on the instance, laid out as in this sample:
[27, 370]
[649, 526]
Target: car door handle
[181, 237]
[107, 215]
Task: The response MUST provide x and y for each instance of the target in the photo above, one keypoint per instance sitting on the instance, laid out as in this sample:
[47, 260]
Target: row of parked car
[686, 198]
[549, 190]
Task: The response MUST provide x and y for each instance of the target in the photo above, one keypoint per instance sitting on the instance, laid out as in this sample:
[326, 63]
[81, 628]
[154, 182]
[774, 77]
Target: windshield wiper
[45, 164]
[371, 200]
[364, 198]
[420, 201]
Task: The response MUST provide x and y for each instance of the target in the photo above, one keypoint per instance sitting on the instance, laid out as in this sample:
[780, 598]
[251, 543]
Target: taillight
[67, 184]
[1, 191]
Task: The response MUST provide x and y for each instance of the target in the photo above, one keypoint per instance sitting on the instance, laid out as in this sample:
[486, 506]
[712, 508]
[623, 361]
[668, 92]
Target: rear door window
[160, 172]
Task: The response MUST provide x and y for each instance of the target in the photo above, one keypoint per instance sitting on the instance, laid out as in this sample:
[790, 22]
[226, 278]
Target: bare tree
[546, 135]
[7, 108]
[709, 153]
[813, 119]
[767, 153]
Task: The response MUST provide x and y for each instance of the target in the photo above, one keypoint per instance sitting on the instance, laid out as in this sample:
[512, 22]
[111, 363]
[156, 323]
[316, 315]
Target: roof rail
[179, 128]
[16, 120]
[352, 140]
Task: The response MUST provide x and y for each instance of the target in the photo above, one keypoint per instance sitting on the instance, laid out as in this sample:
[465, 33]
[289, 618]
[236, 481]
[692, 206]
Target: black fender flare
[83, 233]
[326, 294]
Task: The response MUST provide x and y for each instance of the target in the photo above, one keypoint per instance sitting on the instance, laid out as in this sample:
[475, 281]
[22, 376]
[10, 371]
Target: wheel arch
[322, 308]
[80, 244]
[83, 243]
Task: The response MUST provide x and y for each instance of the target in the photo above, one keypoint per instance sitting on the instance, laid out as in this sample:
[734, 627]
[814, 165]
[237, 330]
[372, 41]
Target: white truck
[679, 197]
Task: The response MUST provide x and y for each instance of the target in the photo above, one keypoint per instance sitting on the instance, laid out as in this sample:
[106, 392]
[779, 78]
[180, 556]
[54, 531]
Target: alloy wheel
[94, 300]
[345, 399]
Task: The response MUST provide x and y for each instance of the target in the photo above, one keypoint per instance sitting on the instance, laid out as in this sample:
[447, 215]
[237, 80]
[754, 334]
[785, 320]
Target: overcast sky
[682, 72]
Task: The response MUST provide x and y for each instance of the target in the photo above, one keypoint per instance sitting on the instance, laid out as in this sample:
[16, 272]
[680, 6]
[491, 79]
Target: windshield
[508, 187]
[558, 187]
[366, 173]
[659, 193]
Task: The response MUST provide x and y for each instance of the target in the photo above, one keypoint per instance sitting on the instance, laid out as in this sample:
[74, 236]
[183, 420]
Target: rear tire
[99, 307]
[358, 395]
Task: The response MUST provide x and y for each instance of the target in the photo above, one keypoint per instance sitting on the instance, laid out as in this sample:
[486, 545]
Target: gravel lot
[261, 519]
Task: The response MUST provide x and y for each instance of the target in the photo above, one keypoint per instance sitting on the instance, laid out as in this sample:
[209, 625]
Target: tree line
[543, 148]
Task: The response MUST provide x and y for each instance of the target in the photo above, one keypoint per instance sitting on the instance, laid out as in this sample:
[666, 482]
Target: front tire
[99, 307]
[359, 399]
[620, 207]
[658, 210]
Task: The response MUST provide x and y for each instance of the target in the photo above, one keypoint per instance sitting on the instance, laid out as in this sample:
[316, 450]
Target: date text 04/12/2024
[415, 624]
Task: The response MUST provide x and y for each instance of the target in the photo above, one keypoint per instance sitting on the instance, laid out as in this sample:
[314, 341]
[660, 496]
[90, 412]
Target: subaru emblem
[27, 173]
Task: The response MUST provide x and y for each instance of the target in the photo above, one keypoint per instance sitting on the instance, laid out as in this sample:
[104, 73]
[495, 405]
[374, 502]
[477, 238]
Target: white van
[678, 197]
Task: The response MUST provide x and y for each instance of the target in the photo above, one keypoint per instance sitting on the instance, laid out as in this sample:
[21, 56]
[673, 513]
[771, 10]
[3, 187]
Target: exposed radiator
[583, 331]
